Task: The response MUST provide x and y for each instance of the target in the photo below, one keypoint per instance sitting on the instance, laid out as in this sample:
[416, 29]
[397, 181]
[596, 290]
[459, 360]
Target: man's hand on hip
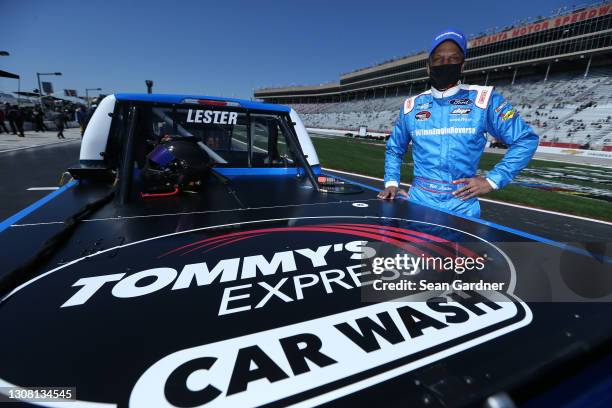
[390, 192]
[473, 187]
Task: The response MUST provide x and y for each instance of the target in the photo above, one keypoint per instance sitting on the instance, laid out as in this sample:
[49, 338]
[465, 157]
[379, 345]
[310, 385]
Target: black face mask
[445, 76]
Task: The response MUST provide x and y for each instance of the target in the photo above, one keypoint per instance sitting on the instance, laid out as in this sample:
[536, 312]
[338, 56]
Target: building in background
[577, 40]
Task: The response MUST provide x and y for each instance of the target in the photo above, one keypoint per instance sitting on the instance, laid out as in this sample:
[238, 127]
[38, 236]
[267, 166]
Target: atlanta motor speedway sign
[227, 316]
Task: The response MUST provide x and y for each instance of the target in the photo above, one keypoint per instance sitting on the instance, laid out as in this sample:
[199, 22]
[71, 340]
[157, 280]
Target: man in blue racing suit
[447, 126]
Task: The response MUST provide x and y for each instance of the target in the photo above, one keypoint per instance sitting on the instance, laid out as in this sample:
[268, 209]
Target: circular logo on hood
[240, 314]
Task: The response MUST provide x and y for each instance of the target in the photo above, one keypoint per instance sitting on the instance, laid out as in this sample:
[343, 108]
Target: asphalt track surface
[42, 166]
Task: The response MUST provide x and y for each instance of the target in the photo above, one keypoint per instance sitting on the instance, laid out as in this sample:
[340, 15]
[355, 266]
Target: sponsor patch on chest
[461, 111]
[460, 101]
[423, 115]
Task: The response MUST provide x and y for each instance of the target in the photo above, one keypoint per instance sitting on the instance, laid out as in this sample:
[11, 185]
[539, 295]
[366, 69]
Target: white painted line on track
[606, 166]
[42, 188]
[524, 207]
[40, 145]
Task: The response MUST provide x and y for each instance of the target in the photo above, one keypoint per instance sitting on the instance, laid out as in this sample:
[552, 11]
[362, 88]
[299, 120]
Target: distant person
[447, 126]
[90, 114]
[11, 114]
[38, 118]
[28, 116]
[2, 125]
[81, 116]
[19, 119]
[60, 122]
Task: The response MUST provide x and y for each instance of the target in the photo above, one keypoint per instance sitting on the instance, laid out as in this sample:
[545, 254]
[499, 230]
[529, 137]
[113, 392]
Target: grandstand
[556, 70]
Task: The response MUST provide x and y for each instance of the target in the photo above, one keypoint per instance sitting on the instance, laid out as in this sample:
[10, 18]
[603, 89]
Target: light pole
[38, 75]
[87, 95]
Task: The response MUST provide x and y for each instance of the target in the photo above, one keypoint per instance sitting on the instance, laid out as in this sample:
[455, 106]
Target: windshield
[232, 138]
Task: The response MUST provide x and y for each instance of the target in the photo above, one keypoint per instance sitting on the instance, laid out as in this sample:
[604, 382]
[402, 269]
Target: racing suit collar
[445, 94]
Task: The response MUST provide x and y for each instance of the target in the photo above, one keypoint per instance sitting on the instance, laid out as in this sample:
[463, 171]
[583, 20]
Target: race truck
[200, 256]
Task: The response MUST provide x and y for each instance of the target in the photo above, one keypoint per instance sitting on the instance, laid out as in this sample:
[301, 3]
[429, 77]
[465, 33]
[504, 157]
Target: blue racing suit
[447, 130]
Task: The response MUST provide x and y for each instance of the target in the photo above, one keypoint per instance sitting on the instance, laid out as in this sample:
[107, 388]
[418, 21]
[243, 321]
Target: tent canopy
[4, 74]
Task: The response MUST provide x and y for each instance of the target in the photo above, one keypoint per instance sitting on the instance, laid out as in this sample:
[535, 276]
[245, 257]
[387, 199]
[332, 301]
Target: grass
[368, 158]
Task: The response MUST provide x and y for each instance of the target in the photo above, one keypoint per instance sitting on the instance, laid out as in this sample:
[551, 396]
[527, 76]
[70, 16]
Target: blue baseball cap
[450, 34]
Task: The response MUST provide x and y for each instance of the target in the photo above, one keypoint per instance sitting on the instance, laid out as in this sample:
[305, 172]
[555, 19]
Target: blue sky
[226, 48]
